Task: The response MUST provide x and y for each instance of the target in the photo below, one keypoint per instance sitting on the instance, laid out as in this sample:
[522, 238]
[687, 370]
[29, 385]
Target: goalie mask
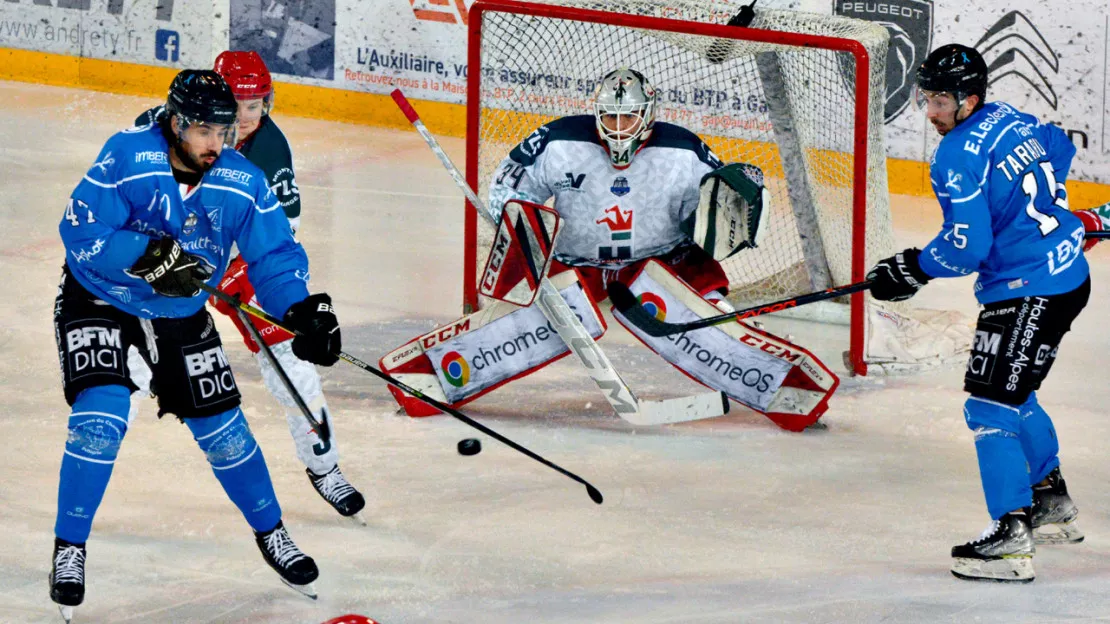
[624, 110]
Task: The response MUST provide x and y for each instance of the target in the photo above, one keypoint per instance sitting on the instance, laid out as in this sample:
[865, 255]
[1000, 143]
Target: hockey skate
[1054, 513]
[1003, 553]
[339, 493]
[297, 570]
[67, 577]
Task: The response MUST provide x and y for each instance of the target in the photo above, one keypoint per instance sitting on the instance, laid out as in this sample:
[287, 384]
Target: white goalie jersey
[611, 217]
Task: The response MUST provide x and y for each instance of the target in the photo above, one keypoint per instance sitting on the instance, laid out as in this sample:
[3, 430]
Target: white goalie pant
[316, 456]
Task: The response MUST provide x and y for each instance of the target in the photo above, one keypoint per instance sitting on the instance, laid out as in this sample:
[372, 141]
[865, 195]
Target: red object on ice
[351, 618]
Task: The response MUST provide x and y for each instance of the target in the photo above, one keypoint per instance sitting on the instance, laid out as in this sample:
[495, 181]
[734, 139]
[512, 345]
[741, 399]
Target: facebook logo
[166, 45]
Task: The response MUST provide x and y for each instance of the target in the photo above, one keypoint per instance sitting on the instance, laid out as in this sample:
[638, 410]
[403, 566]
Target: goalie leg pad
[781, 380]
[477, 354]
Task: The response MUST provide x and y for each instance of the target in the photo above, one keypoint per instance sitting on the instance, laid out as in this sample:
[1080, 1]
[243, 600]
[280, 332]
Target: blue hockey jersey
[129, 195]
[999, 177]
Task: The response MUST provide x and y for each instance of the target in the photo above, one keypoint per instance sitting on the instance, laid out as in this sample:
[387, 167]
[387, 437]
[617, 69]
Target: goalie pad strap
[764, 372]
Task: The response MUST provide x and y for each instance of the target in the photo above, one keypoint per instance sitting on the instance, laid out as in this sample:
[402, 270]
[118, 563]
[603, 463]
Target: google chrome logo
[455, 369]
[654, 304]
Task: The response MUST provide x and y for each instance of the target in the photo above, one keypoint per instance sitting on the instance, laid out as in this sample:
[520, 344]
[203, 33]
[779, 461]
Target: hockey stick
[630, 307]
[595, 494]
[571, 330]
[321, 426]
[627, 304]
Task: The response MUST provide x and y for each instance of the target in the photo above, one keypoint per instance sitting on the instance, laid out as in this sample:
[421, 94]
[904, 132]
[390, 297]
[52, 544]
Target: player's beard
[197, 166]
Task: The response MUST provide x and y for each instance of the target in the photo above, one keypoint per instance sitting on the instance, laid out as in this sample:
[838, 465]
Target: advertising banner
[1043, 61]
[150, 32]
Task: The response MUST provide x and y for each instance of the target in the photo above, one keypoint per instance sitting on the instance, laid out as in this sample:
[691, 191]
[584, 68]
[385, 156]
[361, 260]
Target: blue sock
[97, 425]
[237, 460]
[1002, 466]
[1038, 440]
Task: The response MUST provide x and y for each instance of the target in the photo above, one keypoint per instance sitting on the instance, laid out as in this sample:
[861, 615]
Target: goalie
[644, 203]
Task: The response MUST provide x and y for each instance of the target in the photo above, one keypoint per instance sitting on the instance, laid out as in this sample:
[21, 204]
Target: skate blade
[67, 613]
[1062, 533]
[308, 590]
[1006, 570]
[356, 519]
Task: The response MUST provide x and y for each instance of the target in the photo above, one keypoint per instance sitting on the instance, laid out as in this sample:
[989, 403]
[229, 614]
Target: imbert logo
[447, 11]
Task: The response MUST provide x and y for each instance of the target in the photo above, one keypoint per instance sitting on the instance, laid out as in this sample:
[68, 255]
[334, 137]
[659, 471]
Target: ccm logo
[767, 347]
[496, 261]
[445, 333]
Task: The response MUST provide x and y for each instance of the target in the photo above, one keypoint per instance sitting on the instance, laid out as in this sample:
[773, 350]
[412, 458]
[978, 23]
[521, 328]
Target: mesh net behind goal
[783, 98]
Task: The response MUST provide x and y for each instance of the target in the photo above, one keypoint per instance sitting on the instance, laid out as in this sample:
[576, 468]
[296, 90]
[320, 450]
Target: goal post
[799, 95]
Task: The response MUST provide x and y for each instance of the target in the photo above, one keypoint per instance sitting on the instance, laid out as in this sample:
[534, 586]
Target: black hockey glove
[169, 270]
[898, 277]
[318, 338]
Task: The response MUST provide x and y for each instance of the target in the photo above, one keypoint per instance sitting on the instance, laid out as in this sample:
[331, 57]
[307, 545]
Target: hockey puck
[470, 446]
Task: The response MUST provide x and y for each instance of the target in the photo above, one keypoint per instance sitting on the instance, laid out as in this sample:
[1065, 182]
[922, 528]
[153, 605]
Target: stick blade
[595, 494]
[680, 409]
[629, 306]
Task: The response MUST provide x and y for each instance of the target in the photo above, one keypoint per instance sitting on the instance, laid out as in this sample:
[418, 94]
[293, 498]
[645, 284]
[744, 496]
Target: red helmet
[246, 74]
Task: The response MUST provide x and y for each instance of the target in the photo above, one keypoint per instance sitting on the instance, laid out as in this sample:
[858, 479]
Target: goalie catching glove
[732, 210]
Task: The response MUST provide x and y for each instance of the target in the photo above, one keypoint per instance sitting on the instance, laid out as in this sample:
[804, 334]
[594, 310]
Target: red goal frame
[859, 170]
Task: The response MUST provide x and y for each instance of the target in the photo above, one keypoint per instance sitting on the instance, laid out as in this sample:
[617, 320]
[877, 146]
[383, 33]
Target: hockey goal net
[798, 94]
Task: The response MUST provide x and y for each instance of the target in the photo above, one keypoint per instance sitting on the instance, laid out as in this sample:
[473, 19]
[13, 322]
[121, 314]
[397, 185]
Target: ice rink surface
[720, 521]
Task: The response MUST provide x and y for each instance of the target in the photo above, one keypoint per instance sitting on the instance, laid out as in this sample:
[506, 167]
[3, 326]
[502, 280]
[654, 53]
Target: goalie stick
[630, 307]
[595, 494]
[571, 331]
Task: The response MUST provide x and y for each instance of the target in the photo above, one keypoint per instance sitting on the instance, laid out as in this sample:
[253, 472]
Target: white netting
[789, 109]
